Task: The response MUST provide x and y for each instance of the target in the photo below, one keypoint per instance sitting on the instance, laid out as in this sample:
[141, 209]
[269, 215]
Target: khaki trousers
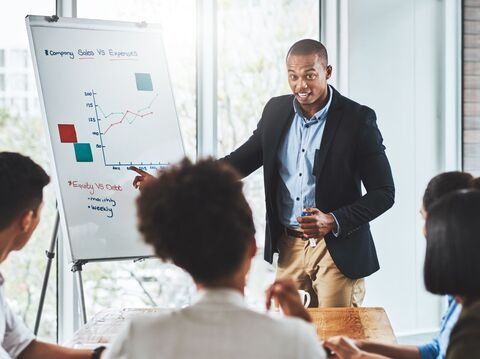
[314, 270]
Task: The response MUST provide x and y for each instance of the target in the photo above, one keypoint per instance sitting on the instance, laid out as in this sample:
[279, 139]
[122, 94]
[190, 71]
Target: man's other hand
[316, 224]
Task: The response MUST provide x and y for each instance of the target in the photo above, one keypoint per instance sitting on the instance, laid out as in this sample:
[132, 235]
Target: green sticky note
[144, 82]
[83, 152]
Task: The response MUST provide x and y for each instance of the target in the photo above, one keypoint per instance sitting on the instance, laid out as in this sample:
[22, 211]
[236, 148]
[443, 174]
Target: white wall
[395, 66]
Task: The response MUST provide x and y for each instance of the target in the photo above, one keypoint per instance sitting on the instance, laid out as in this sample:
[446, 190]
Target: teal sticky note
[83, 152]
[144, 82]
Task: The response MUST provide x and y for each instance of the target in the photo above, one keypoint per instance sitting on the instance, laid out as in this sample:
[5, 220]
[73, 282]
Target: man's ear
[252, 247]
[329, 71]
[26, 220]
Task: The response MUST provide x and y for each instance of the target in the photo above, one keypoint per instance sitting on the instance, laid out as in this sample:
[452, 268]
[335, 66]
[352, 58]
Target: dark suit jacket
[351, 152]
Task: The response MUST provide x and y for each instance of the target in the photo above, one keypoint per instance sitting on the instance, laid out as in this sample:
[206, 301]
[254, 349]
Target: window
[247, 81]
[471, 87]
[248, 73]
[24, 270]
[251, 70]
[150, 282]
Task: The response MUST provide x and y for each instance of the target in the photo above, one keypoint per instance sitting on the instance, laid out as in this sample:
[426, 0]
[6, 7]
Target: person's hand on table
[285, 292]
[316, 224]
[346, 348]
[142, 177]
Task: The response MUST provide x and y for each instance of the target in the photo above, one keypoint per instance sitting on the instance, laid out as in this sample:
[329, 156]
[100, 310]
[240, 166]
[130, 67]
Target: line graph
[120, 141]
[136, 114]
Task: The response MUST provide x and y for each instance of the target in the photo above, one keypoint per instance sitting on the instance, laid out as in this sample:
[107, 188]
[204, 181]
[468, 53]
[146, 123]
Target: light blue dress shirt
[296, 157]
[437, 348]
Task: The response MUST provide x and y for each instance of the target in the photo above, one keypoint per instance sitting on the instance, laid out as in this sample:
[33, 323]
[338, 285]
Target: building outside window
[22, 131]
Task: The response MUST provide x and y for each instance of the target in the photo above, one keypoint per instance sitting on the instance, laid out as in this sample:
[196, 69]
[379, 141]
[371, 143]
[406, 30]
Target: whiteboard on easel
[107, 102]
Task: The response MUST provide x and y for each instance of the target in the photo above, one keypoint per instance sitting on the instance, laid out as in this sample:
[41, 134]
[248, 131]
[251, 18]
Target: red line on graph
[124, 116]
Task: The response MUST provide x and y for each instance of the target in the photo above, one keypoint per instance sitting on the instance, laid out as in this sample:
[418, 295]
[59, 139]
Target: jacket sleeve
[376, 175]
[249, 156]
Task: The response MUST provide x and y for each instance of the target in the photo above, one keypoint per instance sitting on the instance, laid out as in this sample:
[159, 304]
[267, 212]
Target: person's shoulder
[470, 316]
[296, 324]
[304, 336]
[147, 323]
[351, 105]
[464, 338]
[290, 327]
[280, 100]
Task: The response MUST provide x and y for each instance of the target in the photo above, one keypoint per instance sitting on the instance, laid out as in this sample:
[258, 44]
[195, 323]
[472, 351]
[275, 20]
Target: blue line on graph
[150, 105]
[123, 113]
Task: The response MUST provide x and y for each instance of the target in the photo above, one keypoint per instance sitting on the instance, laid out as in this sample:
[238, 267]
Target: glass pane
[21, 130]
[150, 283]
[251, 70]
[471, 87]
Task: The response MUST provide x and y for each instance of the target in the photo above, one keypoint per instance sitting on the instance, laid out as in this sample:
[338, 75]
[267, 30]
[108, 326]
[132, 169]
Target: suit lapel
[275, 128]
[334, 118]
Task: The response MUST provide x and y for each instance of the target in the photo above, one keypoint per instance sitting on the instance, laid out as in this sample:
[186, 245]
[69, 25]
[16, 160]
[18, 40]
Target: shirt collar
[220, 296]
[321, 114]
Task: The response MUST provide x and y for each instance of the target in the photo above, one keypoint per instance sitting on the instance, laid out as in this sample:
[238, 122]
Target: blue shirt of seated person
[437, 348]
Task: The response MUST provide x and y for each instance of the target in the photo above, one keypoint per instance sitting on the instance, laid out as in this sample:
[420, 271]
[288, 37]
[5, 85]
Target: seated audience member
[438, 186]
[21, 193]
[196, 216]
[452, 265]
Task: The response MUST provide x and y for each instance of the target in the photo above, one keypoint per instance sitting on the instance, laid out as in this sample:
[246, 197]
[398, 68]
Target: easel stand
[76, 268]
[50, 255]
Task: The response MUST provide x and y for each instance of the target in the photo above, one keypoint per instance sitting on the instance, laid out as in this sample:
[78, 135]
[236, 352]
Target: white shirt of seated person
[14, 334]
[219, 325]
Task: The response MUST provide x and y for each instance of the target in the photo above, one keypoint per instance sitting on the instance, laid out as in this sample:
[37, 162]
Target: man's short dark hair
[452, 264]
[21, 186]
[197, 216]
[309, 47]
[445, 183]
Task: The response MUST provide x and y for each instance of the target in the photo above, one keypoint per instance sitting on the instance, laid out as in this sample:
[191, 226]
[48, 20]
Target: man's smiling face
[307, 77]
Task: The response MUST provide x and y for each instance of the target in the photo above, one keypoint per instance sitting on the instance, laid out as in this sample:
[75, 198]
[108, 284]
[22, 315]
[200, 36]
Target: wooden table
[357, 323]
[106, 324]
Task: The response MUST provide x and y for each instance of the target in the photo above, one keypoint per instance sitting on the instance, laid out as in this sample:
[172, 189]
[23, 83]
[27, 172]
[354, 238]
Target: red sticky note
[67, 133]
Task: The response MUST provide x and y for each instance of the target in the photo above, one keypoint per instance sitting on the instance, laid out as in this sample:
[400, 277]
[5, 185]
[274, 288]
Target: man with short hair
[21, 197]
[317, 147]
[196, 216]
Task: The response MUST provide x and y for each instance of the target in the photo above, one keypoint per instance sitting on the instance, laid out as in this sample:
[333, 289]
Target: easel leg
[77, 268]
[50, 255]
